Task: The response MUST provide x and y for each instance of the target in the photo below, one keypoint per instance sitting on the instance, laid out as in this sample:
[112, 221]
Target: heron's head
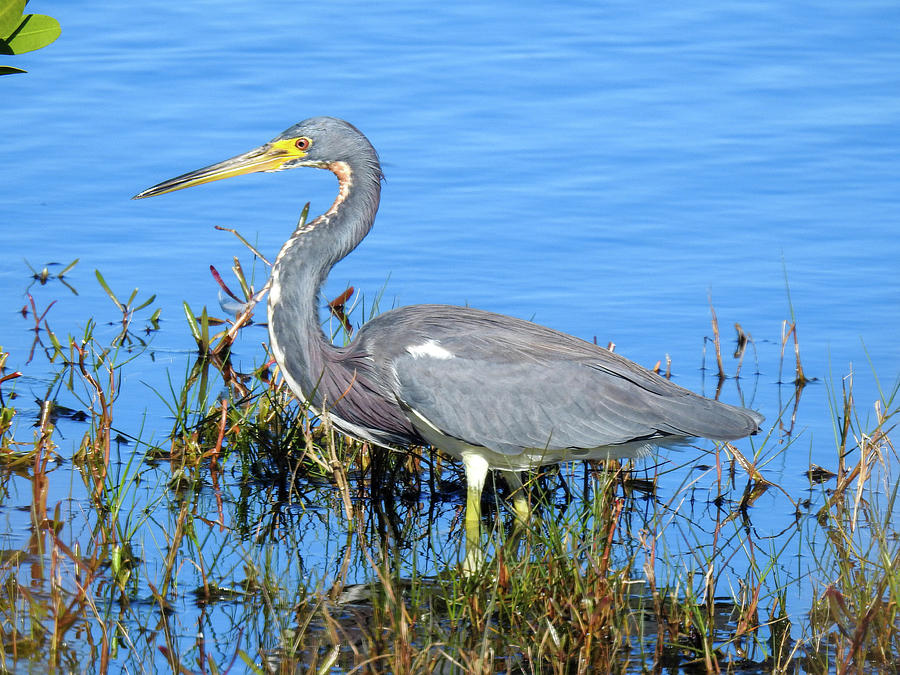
[320, 142]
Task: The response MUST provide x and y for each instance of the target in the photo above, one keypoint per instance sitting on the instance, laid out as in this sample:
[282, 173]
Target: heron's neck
[300, 348]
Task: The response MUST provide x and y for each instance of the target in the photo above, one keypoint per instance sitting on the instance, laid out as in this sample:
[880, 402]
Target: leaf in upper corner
[11, 12]
[35, 31]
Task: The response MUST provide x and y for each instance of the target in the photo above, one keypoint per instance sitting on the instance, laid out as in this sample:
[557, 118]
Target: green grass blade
[192, 322]
[109, 290]
[145, 303]
[68, 267]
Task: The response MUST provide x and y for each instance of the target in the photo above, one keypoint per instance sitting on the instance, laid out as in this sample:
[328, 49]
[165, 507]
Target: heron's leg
[521, 507]
[476, 471]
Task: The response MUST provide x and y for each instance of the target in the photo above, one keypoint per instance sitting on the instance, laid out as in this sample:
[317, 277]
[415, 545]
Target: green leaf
[204, 331]
[35, 31]
[145, 303]
[109, 290]
[304, 214]
[57, 346]
[11, 12]
[68, 268]
[192, 321]
[9, 70]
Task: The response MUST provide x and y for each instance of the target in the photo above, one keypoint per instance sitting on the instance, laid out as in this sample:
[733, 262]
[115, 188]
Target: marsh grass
[253, 538]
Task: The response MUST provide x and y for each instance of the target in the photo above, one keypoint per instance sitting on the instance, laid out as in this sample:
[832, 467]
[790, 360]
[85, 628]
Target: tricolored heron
[492, 391]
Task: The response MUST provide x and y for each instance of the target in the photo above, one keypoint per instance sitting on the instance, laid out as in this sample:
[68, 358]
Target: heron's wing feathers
[508, 385]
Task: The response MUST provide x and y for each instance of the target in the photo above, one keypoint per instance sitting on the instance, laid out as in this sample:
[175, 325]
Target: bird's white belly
[528, 458]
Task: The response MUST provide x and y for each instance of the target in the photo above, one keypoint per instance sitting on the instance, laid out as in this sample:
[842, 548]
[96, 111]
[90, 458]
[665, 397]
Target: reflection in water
[267, 537]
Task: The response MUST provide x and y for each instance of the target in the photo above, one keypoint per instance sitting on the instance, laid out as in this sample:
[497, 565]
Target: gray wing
[507, 384]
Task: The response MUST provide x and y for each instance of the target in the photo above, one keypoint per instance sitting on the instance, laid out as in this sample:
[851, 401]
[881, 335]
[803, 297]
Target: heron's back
[510, 385]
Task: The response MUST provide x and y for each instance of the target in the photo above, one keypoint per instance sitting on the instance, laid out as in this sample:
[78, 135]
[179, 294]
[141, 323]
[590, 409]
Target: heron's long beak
[269, 157]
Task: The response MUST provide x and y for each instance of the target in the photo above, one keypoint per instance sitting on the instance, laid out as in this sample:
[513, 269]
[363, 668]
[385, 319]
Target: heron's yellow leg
[474, 554]
[476, 471]
[521, 507]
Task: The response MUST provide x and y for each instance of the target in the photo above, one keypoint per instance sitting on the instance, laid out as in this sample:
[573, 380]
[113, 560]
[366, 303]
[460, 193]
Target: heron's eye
[303, 143]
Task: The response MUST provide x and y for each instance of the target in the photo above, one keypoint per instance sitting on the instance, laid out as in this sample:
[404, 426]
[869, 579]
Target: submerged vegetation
[250, 537]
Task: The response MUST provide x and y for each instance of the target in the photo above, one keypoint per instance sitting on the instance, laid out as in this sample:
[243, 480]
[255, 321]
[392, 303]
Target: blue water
[599, 168]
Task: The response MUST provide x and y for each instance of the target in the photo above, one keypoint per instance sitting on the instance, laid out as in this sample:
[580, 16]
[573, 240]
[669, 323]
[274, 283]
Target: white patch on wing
[431, 349]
